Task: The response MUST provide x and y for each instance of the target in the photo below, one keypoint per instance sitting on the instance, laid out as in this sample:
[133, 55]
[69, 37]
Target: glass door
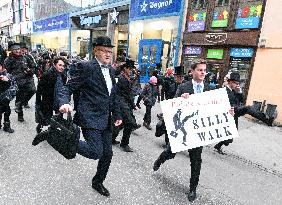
[150, 53]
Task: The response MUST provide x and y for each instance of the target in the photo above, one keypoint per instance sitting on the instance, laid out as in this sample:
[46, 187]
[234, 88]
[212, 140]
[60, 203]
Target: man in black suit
[97, 107]
[196, 85]
[236, 100]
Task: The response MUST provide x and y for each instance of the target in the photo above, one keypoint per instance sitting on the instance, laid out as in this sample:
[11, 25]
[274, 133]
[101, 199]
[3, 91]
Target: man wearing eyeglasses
[97, 107]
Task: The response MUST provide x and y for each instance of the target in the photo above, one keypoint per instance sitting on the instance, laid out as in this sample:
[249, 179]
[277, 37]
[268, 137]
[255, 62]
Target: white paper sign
[200, 120]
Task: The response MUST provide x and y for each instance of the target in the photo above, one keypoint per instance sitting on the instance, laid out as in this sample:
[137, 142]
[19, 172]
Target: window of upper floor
[199, 4]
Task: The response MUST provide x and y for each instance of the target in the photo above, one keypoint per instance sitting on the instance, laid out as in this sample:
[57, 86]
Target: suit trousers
[5, 108]
[97, 145]
[195, 163]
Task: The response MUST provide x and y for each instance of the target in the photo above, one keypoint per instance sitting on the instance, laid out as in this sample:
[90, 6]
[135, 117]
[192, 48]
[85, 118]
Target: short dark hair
[195, 63]
[56, 60]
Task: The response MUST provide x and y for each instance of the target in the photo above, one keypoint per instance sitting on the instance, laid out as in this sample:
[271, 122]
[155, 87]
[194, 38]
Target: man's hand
[4, 78]
[185, 95]
[118, 123]
[231, 111]
[66, 108]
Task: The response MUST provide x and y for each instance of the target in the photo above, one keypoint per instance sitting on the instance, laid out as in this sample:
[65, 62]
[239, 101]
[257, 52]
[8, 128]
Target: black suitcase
[62, 134]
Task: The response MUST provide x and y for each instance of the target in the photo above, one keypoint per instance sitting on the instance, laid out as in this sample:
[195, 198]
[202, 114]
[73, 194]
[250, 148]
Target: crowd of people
[103, 99]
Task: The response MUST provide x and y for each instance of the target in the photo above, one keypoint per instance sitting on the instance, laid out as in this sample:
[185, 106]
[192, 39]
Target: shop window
[222, 2]
[197, 16]
[199, 4]
[221, 14]
[249, 14]
[240, 61]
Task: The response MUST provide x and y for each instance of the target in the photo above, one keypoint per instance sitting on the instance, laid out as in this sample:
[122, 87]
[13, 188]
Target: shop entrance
[150, 53]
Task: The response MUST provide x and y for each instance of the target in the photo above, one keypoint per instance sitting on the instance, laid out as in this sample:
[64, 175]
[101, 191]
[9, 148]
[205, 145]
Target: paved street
[39, 175]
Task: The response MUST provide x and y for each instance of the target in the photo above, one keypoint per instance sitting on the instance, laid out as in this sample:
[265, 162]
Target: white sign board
[200, 120]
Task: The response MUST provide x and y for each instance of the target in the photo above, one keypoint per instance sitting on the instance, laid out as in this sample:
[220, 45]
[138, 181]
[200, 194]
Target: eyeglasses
[105, 51]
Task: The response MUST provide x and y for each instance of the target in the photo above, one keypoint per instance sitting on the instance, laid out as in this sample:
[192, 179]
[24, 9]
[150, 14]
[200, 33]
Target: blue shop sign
[145, 8]
[242, 52]
[54, 23]
[251, 22]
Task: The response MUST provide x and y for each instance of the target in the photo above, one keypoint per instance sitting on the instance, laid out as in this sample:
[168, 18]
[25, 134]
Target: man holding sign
[191, 115]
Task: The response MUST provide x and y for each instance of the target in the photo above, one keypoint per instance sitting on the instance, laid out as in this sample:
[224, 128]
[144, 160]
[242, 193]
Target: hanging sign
[242, 52]
[200, 120]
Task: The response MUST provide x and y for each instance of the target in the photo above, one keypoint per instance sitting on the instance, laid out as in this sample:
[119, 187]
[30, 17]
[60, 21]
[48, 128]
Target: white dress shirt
[195, 84]
[107, 76]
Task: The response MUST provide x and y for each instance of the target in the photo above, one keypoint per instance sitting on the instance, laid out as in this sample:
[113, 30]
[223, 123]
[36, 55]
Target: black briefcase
[62, 134]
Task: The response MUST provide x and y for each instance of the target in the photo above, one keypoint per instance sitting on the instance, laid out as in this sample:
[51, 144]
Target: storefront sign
[215, 53]
[242, 52]
[248, 16]
[192, 50]
[220, 19]
[219, 23]
[252, 22]
[200, 120]
[197, 21]
[196, 26]
[54, 23]
[216, 37]
[142, 8]
[90, 20]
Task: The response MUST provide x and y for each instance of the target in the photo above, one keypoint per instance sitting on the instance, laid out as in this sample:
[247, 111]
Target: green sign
[215, 53]
[219, 23]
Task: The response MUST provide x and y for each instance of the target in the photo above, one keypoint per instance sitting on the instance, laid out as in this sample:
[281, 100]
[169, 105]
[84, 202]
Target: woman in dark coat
[45, 92]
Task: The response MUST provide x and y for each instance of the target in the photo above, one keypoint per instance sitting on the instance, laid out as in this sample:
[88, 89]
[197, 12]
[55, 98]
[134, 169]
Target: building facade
[226, 33]
[6, 22]
[266, 78]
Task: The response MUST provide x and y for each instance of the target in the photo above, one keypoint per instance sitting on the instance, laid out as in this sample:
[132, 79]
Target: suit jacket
[187, 87]
[235, 99]
[95, 105]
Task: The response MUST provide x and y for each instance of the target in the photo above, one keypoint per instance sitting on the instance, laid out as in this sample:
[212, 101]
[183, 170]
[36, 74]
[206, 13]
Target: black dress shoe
[147, 126]
[115, 142]
[192, 195]
[269, 121]
[137, 126]
[126, 148]
[101, 189]
[157, 165]
[218, 149]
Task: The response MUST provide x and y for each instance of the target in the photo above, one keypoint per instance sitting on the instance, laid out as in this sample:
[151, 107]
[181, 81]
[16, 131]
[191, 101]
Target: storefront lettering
[160, 5]
[90, 20]
[242, 52]
[216, 37]
[155, 5]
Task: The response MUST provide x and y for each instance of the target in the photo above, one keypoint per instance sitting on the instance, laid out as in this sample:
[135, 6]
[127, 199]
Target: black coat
[95, 106]
[45, 92]
[124, 91]
[18, 67]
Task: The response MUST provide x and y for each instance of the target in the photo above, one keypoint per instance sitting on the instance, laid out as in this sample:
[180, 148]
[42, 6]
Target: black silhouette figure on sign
[179, 125]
